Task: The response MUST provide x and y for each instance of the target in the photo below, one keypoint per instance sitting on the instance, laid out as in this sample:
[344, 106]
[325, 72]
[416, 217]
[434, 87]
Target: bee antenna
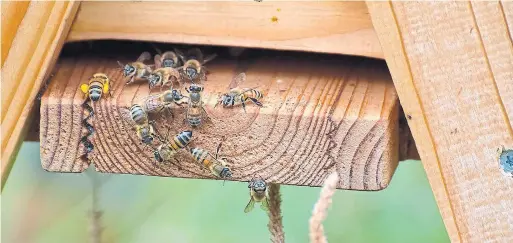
[121, 65]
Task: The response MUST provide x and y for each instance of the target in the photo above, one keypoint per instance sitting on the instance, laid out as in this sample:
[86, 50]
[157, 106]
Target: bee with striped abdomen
[158, 102]
[98, 85]
[216, 165]
[193, 64]
[144, 128]
[137, 70]
[167, 150]
[258, 193]
[195, 110]
[238, 95]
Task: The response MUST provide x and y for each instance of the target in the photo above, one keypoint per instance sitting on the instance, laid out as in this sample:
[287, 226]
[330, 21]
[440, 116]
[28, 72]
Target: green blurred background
[38, 206]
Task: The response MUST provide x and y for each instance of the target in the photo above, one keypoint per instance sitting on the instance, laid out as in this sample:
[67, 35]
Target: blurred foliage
[38, 206]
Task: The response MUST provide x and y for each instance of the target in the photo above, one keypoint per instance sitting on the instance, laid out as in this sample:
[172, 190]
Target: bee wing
[196, 52]
[84, 88]
[145, 56]
[238, 80]
[250, 206]
[156, 48]
[209, 58]
[265, 205]
[180, 55]
[158, 63]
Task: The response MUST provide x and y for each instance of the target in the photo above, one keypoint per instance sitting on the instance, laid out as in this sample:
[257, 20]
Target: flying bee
[144, 128]
[167, 150]
[195, 109]
[98, 85]
[137, 70]
[237, 95]
[216, 165]
[258, 193]
[158, 102]
[193, 64]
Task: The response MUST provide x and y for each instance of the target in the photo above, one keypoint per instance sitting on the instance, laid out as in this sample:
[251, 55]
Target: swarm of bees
[171, 71]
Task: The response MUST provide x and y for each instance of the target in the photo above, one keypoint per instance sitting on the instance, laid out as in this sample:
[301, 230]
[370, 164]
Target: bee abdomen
[182, 140]
[199, 155]
[137, 113]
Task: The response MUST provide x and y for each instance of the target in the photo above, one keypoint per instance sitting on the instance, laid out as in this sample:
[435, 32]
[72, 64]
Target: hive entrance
[320, 113]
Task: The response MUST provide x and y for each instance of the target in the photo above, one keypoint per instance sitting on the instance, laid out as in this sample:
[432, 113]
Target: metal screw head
[506, 161]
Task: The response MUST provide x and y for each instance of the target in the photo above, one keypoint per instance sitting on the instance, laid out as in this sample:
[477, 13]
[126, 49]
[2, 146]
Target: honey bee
[167, 59]
[144, 128]
[98, 85]
[166, 151]
[193, 68]
[258, 193]
[163, 75]
[237, 95]
[195, 109]
[158, 102]
[137, 70]
[216, 165]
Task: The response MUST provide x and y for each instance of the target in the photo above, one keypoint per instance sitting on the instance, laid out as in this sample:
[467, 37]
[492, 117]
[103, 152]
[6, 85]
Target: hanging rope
[320, 209]
[275, 219]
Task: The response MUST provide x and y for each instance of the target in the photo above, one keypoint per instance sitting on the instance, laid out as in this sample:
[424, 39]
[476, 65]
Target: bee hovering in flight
[237, 95]
[143, 127]
[258, 193]
[157, 102]
[195, 110]
[193, 64]
[137, 70]
[166, 72]
[98, 85]
[216, 165]
[167, 150]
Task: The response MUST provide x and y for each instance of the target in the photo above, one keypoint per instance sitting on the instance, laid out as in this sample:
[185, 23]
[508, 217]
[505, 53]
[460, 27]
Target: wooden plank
[342, 27]
[451, 65]
[12, 14]
[34, 50]
[285, 142]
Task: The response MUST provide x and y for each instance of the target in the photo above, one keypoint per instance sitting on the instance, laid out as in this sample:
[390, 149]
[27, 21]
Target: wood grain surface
[318, 116]
[29, 57]
[451, 63]
[342, 27]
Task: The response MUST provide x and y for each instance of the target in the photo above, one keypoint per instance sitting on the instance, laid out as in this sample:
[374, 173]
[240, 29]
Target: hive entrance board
[290, 140]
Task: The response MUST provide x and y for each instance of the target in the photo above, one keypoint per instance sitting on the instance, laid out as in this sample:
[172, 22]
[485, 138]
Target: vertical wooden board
[453, 87]
[12, 14]
[33, 52]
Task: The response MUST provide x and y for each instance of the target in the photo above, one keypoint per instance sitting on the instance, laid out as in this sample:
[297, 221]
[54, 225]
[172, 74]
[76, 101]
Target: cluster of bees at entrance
[171, 71]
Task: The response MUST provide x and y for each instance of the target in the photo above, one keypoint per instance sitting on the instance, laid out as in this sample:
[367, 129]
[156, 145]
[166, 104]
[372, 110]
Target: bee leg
[256, 102]
[243, 101]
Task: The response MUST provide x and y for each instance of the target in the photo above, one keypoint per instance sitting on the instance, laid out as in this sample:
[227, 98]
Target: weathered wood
[451, 63]
[285, 142]
[39, 38]
[342, 27]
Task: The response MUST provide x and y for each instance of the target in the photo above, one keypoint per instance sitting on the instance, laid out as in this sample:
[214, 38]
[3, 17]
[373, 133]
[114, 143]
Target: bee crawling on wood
[195, 110]
[97, 86]
[165, 72]
[137, 70]
[158, 102]
[144, 128]
[237, 95]
[216, 165]
[193, 64]
[258, 193]
[167, 150]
